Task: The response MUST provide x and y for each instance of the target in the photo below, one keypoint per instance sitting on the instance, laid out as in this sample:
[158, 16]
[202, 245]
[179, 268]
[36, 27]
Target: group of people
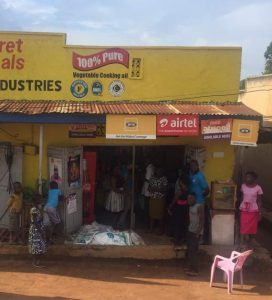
[43, 220]
[186, 208]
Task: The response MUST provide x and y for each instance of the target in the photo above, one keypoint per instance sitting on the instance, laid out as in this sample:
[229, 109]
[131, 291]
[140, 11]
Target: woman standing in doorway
[115, 199]
[158, 186]
[250, 208]
[179, 208]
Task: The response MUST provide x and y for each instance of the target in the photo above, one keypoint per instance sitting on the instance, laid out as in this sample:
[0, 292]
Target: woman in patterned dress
[158, 186]
[37, 238]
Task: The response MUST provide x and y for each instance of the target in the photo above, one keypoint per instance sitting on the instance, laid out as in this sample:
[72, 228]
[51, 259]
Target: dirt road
[97, 279]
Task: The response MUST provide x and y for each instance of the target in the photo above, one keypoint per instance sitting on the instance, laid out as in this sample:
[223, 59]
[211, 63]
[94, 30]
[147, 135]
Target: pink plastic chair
[230, 266]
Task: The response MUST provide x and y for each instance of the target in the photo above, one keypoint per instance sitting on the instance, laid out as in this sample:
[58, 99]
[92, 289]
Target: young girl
[180, 210]
[115, 200]
[37, 239]
[250, 208]
[51, 216]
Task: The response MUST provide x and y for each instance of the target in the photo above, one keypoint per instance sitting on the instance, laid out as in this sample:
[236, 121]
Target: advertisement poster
[71, 204]
[177, 125]
[216, 129]
[74, 171]
[55, 170]
[82, 131]
[245, 133]
[135, 127]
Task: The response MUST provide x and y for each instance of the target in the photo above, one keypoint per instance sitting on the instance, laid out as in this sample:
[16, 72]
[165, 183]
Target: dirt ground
[86, 278]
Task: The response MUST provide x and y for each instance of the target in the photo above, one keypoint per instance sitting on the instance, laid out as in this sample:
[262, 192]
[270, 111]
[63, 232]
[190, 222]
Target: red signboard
[177, 125]
[216, 129]
[100, 59]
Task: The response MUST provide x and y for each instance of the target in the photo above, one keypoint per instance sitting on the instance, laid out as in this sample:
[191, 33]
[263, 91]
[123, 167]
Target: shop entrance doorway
[102, 161]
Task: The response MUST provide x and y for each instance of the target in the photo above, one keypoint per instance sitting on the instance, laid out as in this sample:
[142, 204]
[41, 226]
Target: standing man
[149, 173]
[196, 213]
[199, 186]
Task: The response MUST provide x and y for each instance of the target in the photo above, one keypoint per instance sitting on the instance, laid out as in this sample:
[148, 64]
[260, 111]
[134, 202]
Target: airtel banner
[177, 125]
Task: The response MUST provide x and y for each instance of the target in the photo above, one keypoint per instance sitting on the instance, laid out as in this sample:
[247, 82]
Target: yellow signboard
[40, 66]
[245, 132]
[137, 127]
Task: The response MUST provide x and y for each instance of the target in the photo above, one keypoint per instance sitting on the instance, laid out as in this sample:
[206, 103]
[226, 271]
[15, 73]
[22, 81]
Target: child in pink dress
[250, 208]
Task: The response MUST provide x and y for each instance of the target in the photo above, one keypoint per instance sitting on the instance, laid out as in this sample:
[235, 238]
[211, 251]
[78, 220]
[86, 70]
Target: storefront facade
[50, 93]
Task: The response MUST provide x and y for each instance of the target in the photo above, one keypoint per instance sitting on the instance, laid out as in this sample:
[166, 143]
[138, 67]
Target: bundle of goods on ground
[97, 234]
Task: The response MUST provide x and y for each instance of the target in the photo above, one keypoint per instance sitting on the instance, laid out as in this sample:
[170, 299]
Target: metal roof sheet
[147, 108]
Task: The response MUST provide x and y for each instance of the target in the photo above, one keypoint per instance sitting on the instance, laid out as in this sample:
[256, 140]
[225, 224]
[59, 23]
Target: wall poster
[55, 170]
[74, 171]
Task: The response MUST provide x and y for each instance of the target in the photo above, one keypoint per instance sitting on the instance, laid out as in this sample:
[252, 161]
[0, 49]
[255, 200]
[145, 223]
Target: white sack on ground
[97, 234]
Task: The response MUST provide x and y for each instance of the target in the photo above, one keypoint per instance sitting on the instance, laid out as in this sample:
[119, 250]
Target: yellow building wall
[166, 73]
[57, 135]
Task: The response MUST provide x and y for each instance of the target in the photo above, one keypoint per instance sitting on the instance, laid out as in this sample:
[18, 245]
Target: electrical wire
[184, 97]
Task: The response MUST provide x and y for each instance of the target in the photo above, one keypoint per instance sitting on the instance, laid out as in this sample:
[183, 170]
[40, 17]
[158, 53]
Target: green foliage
[268, 60]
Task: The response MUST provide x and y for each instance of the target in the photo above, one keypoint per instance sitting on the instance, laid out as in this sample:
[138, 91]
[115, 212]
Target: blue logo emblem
[79, 88]
[97, 88]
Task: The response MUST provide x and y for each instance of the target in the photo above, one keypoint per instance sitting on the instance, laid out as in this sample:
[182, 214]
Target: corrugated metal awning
[28, 107]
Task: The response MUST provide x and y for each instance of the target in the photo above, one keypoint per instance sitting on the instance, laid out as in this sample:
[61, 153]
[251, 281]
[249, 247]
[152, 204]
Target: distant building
[258, 94]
